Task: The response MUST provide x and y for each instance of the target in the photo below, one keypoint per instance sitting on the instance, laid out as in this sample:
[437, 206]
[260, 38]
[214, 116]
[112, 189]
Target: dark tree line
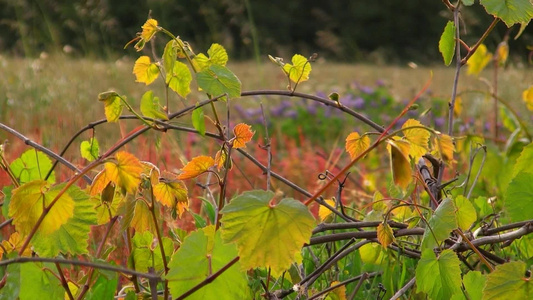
[389, 30]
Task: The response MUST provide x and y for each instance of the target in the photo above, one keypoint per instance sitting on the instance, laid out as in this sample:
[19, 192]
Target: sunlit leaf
[13, 244]
[518, 200]
[201, 254]
[125, 171]
[179, 79]
[150, 171]
[441, 223]
[400, 166]
[524, 163]
[106, 205]
[439, 277]
[145, 71]
[32, 165]
[37, 283]
[508, 281]
[220, 159]
[218, 80]
[171, 192]
[474, 282]
[355, 144]
[27, 205]
[444, 146]
[196, 166]
[150, 106]
[243, 134]
[170, 56]
[100, 181]
[149, 29]
[385, 235]
[338, 293]
[113, 105]
[447, 43]
[417, 137]
[465, 212]
[510, 11]
[479, 60]
[527, 96]
[285, 227]
[372, 253]
[71, 238]
[90, 150]
[147, 252]
[217, 56]
[198, 120]
[378, 204]
[142, 217]
[324, 212]
[502, 52]
[299, 70]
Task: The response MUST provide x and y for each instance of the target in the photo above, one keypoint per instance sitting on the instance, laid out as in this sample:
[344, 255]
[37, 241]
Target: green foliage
[32, 165]
[508, 281]
[439, 277]
[519, 198]
[218, 80]
[441, 223]
[42, 282]
[447, 43]
[511, 12]
[90, 150]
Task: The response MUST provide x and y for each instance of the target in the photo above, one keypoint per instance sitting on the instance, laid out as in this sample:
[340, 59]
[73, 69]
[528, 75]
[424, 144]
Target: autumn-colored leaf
[13, 244]
[338, 293]
[100, 181]
[527, 96]
[284, 229]
[385, 235]
[28, 202]
[196, 166]
[220, 159]
[113, 105]
[142, 217]
[355, 144]
[125, 171]
[400, 166]
[299, 70]
[145, 71]
[444, 146]
[502, 53]
[417, 137]
[324, 212]
[149, 29]
[171, 192]
[479, 60]
[243, 134]
[458, 106]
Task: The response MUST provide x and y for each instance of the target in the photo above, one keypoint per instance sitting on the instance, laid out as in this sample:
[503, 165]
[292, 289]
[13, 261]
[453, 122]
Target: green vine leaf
[441, 223]
[447, 43]
[439, 277]
[72, 236]
[217, 56]
[202, 254]
[518, 200]
[150, 106]
[27, 205]
[90, 150]
[179, 79]
[37, 283]
[266, 234]
[103, 288]
[524, 163]
[170, 55]
[299, 70]
[474, 282]
[32, 165]
[113, 105]
[147, 254]
[217, 80]
[465, 212]
[509, 11]
[198, 120]
[508, 281]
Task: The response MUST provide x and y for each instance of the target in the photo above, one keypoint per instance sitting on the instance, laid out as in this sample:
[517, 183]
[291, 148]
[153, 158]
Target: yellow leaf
[338, 293]
[417, 137]
[100, 181]
[372, 253]
[149, 29]
[73, 290]
[220, 159]
[171, 192]
[355, 144]
[151, 171]
[27, 204]
[196, 166]
[378, 204]
[458, 107]
[13, 244]
[385, 235]
[502, 53]
[479, 60]
[299, 70]
[125, 171]
[113, 105]
[402, 213]
[145, 71]
[142, 217]
[401, 168]
[217, 56]
[324, 212]
[527, 96]
[444, 145]
[243, 134]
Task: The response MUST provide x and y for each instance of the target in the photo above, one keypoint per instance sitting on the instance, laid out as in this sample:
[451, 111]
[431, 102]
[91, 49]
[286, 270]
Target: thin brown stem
[64, 282]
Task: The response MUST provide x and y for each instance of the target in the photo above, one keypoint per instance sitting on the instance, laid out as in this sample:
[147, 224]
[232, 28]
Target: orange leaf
[99, 183]
[356, 144]
[125, 172]
[196, 166]
[243, 134]
[220, 159]
[171, 192]
[385, 235]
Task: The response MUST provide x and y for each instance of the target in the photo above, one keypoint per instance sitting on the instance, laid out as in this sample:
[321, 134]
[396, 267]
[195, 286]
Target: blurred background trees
[388, 31]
